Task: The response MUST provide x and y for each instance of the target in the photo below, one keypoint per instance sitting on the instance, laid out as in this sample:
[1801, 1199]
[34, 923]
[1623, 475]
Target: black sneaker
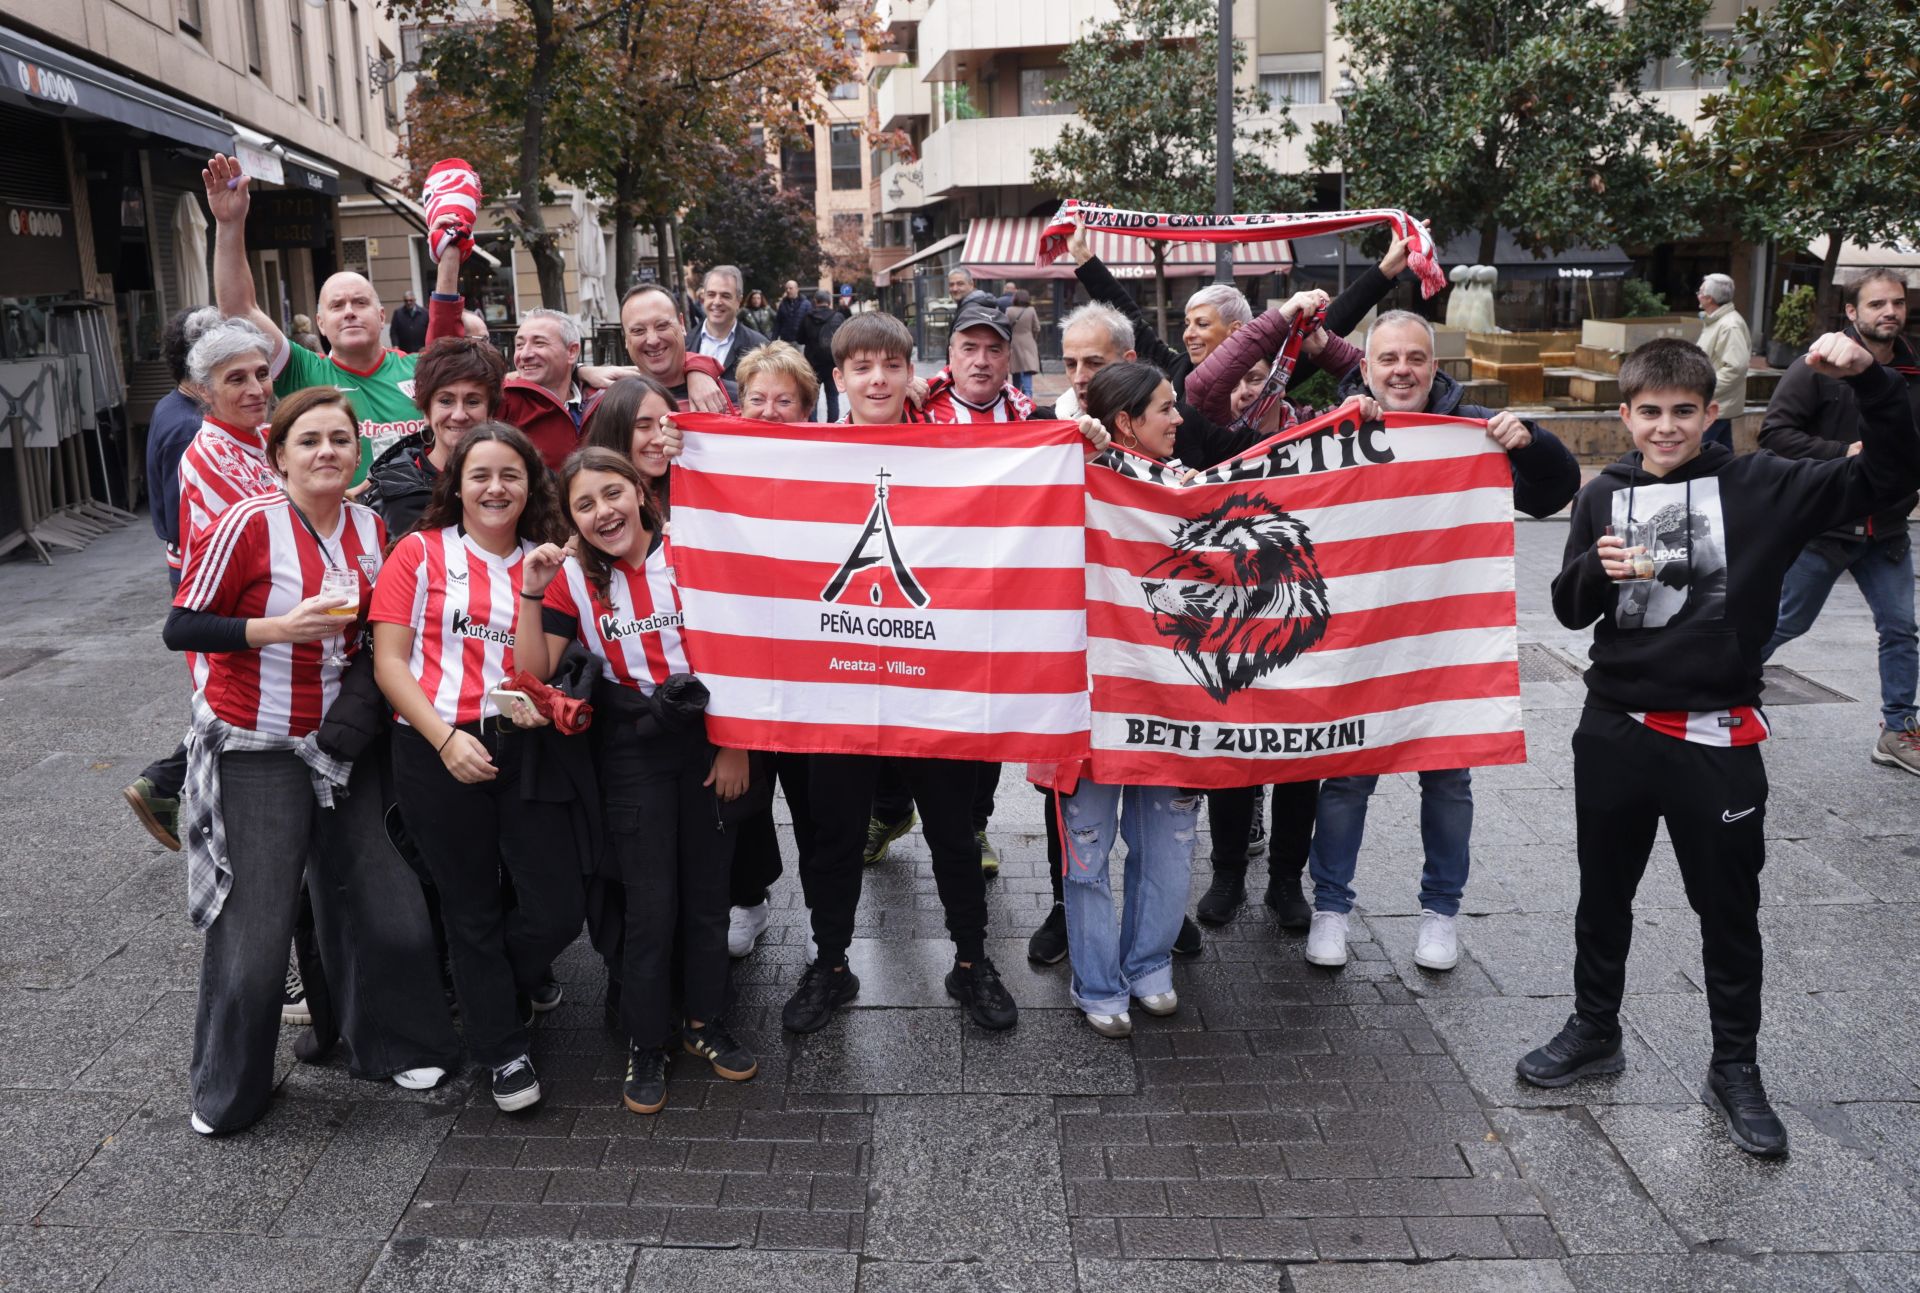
[822, 991]
[1284, 900]
[547, 996]
[718, 1047]
[1048, 946]
[645, 1090]
[1222, 898]
[516, 1085]
[1578, 1050]
[610, 1012]
[881, 835]
[1188, 941]
[1735, 1093]
[981, 994]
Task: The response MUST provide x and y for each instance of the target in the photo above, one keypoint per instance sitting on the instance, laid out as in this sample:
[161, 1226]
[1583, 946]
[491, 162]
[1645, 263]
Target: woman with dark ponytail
[669, 794]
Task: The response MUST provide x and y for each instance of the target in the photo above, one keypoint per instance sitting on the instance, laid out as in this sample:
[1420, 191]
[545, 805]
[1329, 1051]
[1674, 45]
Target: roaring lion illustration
[1240, 596]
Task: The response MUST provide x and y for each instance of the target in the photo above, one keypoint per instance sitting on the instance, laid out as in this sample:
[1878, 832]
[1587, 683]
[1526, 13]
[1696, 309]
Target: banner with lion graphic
[1337, 601]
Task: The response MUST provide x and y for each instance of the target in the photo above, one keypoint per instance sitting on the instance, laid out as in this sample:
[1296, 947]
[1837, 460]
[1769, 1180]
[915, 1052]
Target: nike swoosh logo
[1734, 817]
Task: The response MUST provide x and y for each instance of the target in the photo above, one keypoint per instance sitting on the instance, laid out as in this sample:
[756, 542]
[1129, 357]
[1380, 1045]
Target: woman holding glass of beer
[265, 600]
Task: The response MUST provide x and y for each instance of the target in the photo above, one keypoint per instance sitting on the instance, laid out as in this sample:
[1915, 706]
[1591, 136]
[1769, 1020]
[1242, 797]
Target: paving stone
[369, 1170]
[928, 1155]
[1884, 1272]
[1706, 1273]
[1166, 1237]
[1596, 1203]
[1441, 1277]
[48, 1137]
[1359, 1239]
[530, 1221]
[881, 1051]
[1825, 1197]
[242, 1263]
[157, 1174]
[1180, 1277]
[1264, 1239]
[49, 1036]
[1887, 1022]
[966, 1277]
[1486, 1037]
[59, 1259]
[1049, 1052]
[1808, 1053]
[504, 1265]
[728, 1272]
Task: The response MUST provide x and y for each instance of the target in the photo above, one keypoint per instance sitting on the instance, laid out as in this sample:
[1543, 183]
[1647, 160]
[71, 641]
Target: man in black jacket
[793, 308]
[1400, 372]
[1816, 416]
[816, 342]
[721, 335]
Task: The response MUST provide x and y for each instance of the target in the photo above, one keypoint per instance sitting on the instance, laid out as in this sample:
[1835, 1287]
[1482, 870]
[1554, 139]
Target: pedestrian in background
[1729, 348]
[1025, 321]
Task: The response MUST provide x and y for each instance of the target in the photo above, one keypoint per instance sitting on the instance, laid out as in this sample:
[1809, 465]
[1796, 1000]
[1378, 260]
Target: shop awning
[1898, 254]
[885, 276]
[413, 213]
[42, 78]
[304, 172]
[1005, 247]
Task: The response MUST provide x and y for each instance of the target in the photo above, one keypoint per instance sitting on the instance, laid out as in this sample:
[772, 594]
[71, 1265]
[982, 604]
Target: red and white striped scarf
[1422, 256]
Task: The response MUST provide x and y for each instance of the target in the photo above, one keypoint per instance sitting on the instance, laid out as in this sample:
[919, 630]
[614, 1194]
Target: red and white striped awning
[1001, 247]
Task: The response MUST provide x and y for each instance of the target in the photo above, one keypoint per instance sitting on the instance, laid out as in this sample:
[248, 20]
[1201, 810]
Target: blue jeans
[1446, 826]
[1720, 432]
[1882, 568]
[1025, 382]
[1158, 824]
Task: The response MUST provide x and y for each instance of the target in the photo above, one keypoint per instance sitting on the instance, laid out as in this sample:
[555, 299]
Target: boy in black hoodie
[1672, 724]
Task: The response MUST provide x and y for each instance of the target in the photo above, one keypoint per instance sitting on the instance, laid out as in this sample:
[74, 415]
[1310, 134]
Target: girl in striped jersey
[663, 784]
[443, 618]
[257, 601]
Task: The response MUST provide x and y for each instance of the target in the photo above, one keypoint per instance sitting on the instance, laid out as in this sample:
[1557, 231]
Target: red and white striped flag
[1337, 601]
[913, 590]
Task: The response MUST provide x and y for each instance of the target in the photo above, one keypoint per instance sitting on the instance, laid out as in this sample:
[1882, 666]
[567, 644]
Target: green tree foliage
[1818, 131]
[1144, 85]
[768, 231]
[1478, 114]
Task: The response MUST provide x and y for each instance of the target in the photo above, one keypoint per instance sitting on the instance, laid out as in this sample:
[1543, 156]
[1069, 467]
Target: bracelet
[534, 597]
[443, 745]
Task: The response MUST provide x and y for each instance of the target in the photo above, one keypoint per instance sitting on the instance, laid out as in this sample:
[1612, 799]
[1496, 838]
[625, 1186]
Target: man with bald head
[348, 314]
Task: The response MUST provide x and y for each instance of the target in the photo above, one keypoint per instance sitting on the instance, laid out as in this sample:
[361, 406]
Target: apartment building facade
[967, 85]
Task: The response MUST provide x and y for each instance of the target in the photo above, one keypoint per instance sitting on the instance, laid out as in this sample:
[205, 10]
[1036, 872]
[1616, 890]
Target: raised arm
[1210, 386]
[1103, 287]
[228, 200]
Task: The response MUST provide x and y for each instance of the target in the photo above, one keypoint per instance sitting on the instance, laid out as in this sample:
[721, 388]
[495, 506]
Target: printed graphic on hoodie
[1689, 548]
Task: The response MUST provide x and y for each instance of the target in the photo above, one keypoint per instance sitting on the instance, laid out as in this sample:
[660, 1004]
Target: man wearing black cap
[975, 385]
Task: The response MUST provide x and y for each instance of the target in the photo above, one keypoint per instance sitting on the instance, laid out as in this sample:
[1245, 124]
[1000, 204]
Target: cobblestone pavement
[1291, 1127]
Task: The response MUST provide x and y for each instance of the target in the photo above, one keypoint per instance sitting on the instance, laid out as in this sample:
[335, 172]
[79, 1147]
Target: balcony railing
[985, 152]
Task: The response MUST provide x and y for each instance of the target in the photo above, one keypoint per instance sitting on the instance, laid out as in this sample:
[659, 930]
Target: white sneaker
[1160, 1003]
[1120, 1025]
[420, 1079]
[200, 1124]
[1439, 946]
[744, 927]
[1327, 940]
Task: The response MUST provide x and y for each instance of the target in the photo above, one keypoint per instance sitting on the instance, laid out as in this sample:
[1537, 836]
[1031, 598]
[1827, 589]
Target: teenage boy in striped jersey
[873, 364]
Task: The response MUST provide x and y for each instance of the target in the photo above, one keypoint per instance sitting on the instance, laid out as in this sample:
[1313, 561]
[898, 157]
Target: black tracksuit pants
[756, 854]
[892, 800]
[842, 789]
[1626, 777]
[1230, 818]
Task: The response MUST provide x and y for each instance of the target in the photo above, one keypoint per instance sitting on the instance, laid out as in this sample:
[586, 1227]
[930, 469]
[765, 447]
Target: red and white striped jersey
[636, 633]
[1741, 725]
[259, 561]
[223, 464]
[460, 601]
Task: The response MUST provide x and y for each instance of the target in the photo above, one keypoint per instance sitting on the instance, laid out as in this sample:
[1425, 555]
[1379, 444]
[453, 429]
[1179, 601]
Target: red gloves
[452, 200]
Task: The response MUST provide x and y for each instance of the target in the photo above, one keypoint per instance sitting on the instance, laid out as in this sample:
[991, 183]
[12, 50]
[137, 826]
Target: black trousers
[842, 788]
[675, 854]
[1230, 818]
[168, 773]
[756, 853]
[469, 834]
[1626, 778]
[892, 800]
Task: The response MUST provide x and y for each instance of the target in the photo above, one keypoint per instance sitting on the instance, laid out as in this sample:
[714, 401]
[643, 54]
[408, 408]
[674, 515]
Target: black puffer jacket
[1545, 474]
[400, 483]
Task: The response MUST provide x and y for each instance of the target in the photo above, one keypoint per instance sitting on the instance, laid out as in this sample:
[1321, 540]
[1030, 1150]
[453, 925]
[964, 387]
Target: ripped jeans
[1158, 824]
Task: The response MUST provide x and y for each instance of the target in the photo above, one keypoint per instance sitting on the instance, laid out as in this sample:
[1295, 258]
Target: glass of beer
[1640, 538]
[341, 585]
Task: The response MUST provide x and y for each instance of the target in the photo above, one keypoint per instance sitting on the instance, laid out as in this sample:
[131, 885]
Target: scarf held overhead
[1421, 254]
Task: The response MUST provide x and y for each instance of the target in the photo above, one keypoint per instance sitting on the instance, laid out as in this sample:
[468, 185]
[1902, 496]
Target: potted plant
[1638, 300]
[1792, 321]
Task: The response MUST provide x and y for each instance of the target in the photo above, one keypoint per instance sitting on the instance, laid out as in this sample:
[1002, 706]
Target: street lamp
[1342, 91]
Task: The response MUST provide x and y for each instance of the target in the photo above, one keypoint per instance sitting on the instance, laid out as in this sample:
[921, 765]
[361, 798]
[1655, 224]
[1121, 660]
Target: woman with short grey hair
[231, 368]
